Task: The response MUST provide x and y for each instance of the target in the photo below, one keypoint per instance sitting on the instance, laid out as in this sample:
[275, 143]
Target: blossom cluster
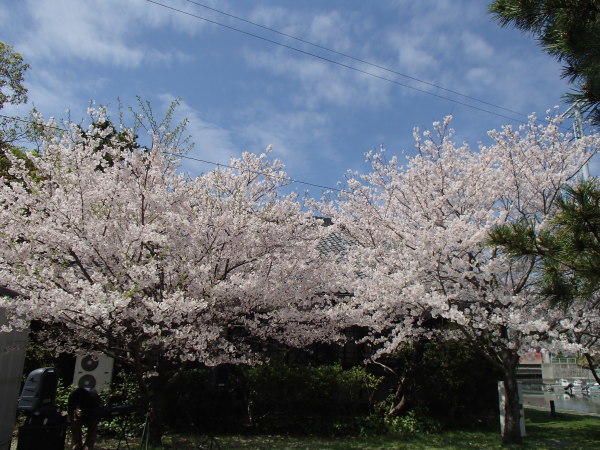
[120, 253]
[420, 230]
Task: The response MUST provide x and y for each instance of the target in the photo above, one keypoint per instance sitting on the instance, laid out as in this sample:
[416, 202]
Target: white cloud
[54, 94]
[105, 32]
[333, 30]
[428, 43]
[426, 16]
[422, 44]
[212, 142]
[448, 43]
[319, 83]
[274, 17]
[254, 129]
[475, 47]
[303, 140]
[50, 93]
[330, 29]
[526, 82]
[480, 79]
[414, 56]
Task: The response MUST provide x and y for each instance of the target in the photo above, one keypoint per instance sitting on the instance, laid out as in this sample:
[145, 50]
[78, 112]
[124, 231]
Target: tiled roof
[335, 243]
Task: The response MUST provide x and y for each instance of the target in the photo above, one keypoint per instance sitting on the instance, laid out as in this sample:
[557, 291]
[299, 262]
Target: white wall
[12, 357]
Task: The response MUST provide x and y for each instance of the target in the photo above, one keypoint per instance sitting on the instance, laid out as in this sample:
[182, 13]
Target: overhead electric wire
[287, 179]
[332, 61]
[180, 155]
[289, 47]
[354, 58]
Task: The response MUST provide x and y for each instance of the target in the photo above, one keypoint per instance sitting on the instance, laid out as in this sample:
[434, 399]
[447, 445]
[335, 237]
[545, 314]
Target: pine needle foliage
[568, 30]
[567, 248]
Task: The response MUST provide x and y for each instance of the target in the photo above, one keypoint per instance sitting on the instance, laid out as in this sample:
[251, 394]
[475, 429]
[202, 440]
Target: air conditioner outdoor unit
[93, 371]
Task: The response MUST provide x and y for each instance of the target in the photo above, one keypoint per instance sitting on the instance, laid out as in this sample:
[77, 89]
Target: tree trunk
[592, 366]
[512, 408]
[400, 401]
[402, 395]
[154, 428]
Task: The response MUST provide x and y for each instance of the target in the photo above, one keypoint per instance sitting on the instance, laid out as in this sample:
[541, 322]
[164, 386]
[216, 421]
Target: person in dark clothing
[84, 407]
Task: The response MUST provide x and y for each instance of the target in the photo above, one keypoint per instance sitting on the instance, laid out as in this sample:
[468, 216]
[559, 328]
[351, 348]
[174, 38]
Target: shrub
[413, 422]
[302, 399]
[448, 381]
[194, 400]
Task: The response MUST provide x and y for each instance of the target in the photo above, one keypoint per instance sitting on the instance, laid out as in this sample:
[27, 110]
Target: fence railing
[569, 360]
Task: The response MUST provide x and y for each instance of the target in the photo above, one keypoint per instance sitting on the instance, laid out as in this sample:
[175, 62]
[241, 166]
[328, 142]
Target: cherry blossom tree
[419, 267]
[117, 252]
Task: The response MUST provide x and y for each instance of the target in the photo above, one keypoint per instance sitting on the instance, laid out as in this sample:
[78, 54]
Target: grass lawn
[570, 431]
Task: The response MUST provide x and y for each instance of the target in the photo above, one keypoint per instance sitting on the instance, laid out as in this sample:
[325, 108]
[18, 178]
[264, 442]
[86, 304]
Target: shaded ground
[572, 431]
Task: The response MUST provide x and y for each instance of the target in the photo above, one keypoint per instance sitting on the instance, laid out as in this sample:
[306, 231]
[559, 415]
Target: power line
[205, 161]
[345, 55]
[31, 122]
[287, 179]
[314, 55]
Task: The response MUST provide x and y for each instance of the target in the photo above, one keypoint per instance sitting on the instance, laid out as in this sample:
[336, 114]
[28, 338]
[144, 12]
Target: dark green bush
[124, 390]
[415, 421]
[447, 381]
[302, 399]
[449, 384]
[195, 400]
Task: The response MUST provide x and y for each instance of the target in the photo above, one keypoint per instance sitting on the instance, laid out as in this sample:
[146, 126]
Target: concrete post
[13, 346]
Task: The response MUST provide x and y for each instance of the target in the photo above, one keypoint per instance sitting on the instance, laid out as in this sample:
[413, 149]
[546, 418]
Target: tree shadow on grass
[562, 429]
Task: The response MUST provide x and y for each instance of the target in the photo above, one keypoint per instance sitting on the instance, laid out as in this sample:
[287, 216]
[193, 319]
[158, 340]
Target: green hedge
[302, 399]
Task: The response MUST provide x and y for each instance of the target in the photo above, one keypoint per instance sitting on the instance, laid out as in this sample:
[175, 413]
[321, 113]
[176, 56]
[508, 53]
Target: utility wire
[179, 155]
[314, 55]
[345, 55]
[287, 179]
[32, 122]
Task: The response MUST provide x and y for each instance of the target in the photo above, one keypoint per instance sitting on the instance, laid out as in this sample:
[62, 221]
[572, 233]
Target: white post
[13, 346]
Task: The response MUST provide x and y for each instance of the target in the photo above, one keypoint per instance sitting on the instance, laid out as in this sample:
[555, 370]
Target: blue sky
[241, 93]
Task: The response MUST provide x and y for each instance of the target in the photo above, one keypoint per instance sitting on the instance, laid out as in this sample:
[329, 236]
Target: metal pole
[578, 131]
[578, 127]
